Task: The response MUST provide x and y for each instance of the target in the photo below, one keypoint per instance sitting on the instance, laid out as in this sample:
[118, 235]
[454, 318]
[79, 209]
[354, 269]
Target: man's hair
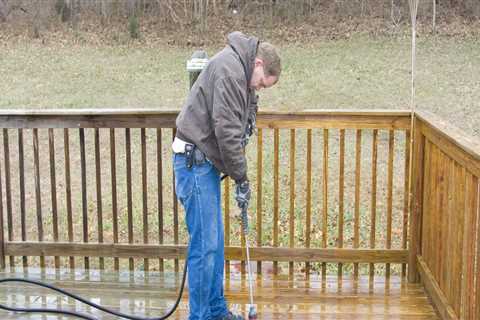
[267, 52]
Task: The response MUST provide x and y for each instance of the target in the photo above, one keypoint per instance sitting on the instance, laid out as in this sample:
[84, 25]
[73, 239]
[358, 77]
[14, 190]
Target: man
[213, 128]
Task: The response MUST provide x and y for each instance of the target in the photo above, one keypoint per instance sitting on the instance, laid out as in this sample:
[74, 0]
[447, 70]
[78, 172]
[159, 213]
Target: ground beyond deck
[150, 294]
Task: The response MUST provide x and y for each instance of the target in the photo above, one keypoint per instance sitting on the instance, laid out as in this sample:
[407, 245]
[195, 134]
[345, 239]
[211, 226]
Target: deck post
[195, 65]
[416, 206]
[2, 234]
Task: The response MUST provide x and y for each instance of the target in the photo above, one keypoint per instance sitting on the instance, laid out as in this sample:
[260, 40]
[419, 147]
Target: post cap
[198, 61]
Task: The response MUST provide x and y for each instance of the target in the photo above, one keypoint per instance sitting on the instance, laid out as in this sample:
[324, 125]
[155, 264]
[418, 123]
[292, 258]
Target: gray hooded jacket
[215, 115]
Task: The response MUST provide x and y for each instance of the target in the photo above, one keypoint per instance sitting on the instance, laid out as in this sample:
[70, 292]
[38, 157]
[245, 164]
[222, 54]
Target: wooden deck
[150, 294]
[348, 188]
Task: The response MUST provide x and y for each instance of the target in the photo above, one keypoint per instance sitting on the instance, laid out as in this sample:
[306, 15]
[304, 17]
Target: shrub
[133, 27]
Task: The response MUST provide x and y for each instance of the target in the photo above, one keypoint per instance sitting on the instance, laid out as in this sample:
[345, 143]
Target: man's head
[267, 68]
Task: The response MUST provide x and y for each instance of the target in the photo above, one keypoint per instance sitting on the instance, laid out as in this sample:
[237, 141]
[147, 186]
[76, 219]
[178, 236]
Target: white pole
[413, 13]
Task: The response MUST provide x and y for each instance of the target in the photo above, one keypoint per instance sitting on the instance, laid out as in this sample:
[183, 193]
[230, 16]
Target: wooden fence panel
[2, 228]
[8, 192]
[38, 195]
[341, 196]
[259, 194]
[160, 193]
[358, 176]
[276, 175]
[21, 179]
[53, 189]
[102, 194]
[68, 191]
[291, 220]
[449, 212]
[373, 214]
[308, 213]
[113, 175]
[98, 184]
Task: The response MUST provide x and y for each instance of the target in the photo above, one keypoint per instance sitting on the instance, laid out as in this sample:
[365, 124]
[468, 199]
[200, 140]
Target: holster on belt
[193, 155]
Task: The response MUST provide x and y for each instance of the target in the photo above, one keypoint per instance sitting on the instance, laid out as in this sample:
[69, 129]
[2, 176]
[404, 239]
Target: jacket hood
[246, 48]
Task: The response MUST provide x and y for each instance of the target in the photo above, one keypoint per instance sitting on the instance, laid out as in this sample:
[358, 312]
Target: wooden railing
[331, 191]
[445, 246]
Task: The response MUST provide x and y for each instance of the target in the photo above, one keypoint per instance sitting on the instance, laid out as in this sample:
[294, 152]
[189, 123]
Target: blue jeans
[198, 189]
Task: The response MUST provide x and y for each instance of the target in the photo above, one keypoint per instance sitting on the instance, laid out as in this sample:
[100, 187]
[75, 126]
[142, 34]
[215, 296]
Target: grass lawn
[357, 73]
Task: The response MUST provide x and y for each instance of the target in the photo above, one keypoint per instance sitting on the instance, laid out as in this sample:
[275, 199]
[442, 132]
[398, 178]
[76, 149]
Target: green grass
[357, 73]
[83, 77]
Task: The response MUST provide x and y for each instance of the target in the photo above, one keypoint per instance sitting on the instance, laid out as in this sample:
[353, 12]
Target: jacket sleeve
[229, 108]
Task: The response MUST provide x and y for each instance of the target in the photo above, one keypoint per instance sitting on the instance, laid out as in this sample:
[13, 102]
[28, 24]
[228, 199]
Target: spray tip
[252, 314]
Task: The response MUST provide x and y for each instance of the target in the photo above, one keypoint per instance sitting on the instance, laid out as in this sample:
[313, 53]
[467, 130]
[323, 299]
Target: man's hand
[242, 194]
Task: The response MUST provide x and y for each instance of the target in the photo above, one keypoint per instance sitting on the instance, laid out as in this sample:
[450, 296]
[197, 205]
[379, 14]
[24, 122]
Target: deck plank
[152, 293]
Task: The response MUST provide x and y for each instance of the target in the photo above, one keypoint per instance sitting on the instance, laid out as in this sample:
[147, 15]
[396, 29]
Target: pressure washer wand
[252, 314]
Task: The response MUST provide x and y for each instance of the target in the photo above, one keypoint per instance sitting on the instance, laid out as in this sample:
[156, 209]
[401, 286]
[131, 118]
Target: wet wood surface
[276, 297]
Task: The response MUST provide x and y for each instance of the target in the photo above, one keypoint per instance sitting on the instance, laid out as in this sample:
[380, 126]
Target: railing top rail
[451, 133]
[86, 112]
[159, 111]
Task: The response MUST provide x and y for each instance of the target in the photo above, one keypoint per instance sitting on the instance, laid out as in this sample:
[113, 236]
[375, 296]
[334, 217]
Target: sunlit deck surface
[150, 294]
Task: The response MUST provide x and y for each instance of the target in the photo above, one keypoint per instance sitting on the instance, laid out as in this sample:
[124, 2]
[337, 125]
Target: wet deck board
[151, 294]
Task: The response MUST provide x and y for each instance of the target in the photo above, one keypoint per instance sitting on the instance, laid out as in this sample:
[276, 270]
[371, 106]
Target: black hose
[94, 305]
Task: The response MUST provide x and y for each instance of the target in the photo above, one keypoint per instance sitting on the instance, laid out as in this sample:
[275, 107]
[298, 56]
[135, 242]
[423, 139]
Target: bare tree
[64, 9]
[395, 13]
[182, 13]
[392, 7]
[471, 8]
[36, 22]
[6, 9]
[105, 11]
[3, 11]
[131, 7]
[363, 6]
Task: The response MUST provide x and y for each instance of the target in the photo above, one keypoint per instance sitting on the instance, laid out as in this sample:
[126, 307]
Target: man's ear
[258, 62]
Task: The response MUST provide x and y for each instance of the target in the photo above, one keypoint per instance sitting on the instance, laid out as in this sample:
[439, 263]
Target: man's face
[259, 79]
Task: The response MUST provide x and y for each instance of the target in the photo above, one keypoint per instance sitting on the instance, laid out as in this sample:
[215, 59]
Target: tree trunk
[434, 16]
[205, 15]
[3, 11]
[472, 8]
[185, 9]
[131, 5]
[392, 12]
